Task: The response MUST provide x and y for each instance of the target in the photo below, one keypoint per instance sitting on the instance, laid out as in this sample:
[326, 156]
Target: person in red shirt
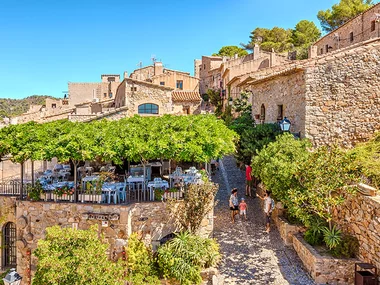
[243, 209]
[248, 180]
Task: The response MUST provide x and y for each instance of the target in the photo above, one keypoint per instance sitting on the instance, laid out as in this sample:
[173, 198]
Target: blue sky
[45, 44]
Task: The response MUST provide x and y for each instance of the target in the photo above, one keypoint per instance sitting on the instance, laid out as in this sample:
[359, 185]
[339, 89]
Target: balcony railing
[130, 193]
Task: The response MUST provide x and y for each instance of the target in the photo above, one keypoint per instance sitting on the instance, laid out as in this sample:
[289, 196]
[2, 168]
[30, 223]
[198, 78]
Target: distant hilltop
[15, 107]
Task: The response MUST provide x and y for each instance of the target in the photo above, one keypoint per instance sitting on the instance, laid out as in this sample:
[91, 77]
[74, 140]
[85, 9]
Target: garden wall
[324, 269]
[360, 216]
[116, 222]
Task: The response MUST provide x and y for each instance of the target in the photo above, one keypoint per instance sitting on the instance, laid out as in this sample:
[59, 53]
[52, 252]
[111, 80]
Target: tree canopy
[283, 40]
[342, 12]
[231, 51]
[197, 138]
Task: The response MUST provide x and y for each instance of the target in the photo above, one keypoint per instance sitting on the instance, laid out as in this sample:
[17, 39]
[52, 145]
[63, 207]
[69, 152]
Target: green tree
[231, 51]
[324, 179]
[278, 39]
[304, 34]
[74, 257]
[340, 13]
[215, 99]
[277, 163]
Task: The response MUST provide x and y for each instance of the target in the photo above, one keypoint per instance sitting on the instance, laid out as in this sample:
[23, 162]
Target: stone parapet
[324, 269]
[360, 216]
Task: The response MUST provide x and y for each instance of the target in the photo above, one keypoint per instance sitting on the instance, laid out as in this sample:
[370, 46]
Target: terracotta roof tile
[186, 96]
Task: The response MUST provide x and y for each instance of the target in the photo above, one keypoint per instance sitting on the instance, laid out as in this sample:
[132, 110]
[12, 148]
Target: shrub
[34, 192]
[140, 267]
[72, 257]
[314, 234]
[348, 247]
[367, 158]
[183, 257]
[332, 237]
[198, 202]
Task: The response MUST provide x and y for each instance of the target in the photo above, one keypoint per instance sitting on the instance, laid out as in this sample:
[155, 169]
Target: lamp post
[285, 124]
[230, 101]
[12, 278]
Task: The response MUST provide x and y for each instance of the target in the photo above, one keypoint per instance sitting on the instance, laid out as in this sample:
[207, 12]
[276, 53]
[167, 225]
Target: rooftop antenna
[153, 58]
[140, 66]
[66, 94]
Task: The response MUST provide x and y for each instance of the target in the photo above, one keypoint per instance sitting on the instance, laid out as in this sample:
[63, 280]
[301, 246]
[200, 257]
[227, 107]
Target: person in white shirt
[268, 207]
[234, 204]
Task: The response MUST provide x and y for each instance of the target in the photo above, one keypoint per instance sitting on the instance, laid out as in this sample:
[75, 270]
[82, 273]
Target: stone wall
[112, 114]
[324, 269]
[288, 91]
[343, 96]
[32, 218]
[360, 216]
[361, 27]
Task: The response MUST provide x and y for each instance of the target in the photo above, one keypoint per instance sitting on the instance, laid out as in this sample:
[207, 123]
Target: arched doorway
[9, 245]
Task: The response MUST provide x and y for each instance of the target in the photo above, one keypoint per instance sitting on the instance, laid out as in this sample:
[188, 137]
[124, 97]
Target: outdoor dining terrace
[103, 187]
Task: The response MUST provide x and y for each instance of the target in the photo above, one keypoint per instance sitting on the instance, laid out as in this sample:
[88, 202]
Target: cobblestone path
[251, 256]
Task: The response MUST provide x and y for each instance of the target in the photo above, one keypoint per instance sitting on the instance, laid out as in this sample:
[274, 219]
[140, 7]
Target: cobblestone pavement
[250, 255]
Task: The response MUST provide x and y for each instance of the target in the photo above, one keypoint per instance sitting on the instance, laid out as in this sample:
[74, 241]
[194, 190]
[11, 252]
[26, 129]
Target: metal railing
[131, 193]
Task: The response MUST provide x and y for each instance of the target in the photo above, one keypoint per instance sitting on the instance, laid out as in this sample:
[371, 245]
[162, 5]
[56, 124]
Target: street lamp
[230, 101]
[12, 278]
[285, 124]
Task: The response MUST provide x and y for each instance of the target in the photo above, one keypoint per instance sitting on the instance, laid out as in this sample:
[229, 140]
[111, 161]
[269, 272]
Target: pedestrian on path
[268, 208]
[248, 180]
[243, 209]
[234, 204]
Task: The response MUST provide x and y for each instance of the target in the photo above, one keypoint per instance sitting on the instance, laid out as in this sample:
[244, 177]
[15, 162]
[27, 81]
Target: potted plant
[34, 192]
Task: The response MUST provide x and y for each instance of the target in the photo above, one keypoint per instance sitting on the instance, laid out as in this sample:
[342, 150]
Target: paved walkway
[251, 256]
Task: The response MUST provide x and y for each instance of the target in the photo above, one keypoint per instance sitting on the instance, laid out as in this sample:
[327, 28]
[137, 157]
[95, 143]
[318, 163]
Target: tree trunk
[22, 181]
[75, 180]
[32, 170]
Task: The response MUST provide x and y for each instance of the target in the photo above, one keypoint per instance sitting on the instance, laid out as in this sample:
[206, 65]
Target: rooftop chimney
[158, 68]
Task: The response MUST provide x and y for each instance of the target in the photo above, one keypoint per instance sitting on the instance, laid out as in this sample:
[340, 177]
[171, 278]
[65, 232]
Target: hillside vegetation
[15, 107]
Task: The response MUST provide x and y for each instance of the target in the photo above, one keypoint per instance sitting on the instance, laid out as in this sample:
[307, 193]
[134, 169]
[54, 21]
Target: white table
[133, 179]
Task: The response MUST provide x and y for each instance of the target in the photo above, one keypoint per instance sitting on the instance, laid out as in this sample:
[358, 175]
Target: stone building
[361, 28]
[159, 75]
[227, 73]
[145, 98]
[333, 98]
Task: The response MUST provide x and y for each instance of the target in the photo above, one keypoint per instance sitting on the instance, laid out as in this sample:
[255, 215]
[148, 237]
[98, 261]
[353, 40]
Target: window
[179, 84]
[9, 245]
[133, 89]
[373, 25]
[162, 83]
[105, 95]
[321, 50]
[280, 112]
[204, 66]
[53, 106]
[148, 109]
[327, 48]
[351, 36]
[262, 113]
[111, 79]
[110, 95]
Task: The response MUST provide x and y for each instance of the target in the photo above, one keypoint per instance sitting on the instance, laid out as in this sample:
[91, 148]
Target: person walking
[268, 208]
[243, 209]
[234, 204]
[248, 180]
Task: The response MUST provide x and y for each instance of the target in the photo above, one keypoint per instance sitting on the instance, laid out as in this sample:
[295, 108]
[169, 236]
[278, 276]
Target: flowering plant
[65, 190]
